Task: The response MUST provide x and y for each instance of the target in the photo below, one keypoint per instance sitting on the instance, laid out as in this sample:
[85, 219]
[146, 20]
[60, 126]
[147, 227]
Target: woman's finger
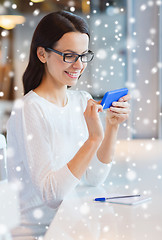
[119, 115]
[120, 110]
[92, 105]
[122, 116]
[97, 107]
[121, 104]
[125, 98]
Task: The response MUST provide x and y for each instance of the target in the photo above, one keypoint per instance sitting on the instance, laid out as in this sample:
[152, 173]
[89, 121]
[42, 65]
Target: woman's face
[61, 72]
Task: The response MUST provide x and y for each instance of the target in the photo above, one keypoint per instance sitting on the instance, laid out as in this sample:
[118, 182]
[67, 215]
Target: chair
[3, 172]
[9, 202]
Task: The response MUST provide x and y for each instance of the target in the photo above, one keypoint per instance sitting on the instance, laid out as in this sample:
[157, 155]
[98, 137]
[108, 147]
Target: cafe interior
[126, 38]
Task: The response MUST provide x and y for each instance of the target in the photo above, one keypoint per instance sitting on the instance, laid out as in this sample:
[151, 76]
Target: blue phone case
[113, 96]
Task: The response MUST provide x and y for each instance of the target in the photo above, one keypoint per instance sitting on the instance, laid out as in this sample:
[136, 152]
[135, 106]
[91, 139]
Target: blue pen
[103, 199]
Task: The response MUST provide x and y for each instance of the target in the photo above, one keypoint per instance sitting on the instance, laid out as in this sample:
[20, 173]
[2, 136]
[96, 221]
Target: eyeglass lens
[74, 57]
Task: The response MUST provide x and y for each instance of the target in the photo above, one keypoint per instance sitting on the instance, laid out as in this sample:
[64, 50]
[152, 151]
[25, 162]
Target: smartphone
[113, 96]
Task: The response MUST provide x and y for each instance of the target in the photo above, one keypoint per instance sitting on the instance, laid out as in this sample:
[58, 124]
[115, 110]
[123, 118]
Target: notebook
[130, 201]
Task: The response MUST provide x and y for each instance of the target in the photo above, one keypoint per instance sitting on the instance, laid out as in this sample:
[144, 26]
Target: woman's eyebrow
[68, 50]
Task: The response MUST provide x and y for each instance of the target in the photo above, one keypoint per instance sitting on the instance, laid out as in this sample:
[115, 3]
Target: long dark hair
[49, 30]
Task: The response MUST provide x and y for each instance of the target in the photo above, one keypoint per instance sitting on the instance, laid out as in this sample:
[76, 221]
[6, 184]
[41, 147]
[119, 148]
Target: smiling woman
[56, 135]
[60, 23]
[65, 69]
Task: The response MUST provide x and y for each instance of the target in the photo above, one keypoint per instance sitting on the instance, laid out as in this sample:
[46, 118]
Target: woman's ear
[41, 53]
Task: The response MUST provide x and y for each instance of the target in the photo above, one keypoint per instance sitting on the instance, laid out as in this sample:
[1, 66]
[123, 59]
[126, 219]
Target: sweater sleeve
[97, 171]
[51, 185]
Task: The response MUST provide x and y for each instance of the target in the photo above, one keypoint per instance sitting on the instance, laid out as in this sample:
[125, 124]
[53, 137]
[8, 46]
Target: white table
[138, 169]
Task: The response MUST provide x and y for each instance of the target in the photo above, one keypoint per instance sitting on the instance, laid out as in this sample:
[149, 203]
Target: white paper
[130, 200]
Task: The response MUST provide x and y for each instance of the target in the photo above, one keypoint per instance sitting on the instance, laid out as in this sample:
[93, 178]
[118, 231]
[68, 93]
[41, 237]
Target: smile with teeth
[73, 74]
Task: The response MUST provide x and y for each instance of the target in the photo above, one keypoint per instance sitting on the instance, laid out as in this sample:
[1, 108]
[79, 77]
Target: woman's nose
[78, 64]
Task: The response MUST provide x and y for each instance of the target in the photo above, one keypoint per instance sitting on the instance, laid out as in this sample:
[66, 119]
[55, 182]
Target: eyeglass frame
[64, 54]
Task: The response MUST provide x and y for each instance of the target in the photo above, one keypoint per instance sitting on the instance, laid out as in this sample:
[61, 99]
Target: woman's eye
[70, 55]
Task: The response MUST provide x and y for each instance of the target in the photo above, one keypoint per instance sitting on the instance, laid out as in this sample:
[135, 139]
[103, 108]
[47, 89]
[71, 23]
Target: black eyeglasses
[73, 57]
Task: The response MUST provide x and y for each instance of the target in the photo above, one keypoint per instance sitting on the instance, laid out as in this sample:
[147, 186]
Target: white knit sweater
[41, 139]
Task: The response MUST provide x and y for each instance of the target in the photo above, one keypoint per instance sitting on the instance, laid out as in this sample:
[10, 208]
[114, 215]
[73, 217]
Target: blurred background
[126, 37]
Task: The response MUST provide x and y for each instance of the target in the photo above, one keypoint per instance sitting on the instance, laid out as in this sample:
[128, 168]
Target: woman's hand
[93, 121]
[119, 111]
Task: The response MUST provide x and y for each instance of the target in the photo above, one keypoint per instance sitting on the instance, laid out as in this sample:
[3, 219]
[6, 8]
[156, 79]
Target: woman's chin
[72, 83]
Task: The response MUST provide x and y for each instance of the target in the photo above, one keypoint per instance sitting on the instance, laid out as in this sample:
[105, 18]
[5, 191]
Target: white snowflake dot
[36, 12]
[84, 209]
[72, 9]
[154, 70]
[101, 54]
[131, 175]
[97, 22]
[38, 213]
[148, 146]
[14, 6]
[18, 168]
[30, 137]
[143, 7]
[1, 94]
[4, 33]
